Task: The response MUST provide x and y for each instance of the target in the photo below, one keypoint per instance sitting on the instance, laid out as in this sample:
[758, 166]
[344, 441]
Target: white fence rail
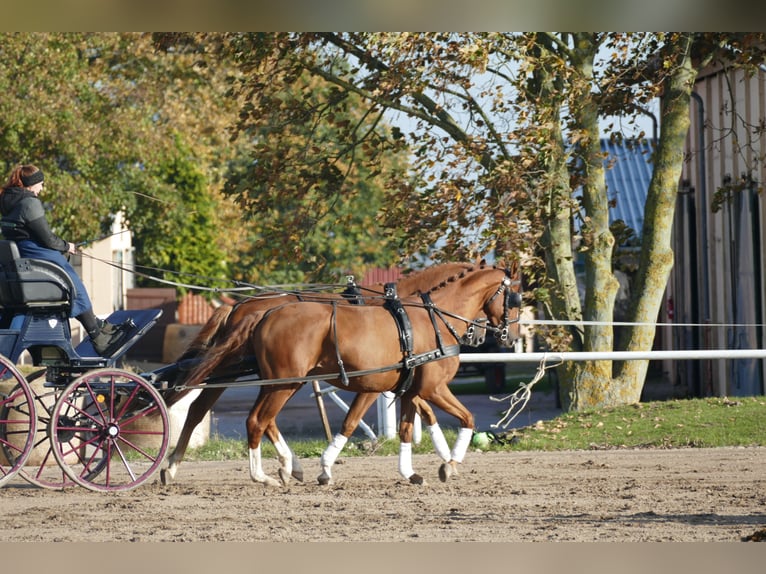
[612, 356]
[386, 411]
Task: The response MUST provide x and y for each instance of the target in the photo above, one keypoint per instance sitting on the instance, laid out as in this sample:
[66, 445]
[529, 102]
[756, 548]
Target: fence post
[386, 415]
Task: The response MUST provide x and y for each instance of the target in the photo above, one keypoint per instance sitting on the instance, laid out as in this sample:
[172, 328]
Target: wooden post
[322, 411]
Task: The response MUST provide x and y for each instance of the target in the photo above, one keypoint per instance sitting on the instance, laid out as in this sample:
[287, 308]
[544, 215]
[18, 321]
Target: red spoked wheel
[18, 422]
[109, 430]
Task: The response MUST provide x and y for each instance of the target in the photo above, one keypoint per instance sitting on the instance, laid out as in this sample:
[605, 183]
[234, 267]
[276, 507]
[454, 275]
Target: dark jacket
[23, 217]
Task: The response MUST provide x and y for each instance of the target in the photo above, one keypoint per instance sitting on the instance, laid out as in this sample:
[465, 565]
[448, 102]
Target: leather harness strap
[394, 306]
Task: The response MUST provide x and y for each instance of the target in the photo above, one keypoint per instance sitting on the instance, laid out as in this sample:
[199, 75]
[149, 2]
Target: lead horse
[227, 318]
[359, 348]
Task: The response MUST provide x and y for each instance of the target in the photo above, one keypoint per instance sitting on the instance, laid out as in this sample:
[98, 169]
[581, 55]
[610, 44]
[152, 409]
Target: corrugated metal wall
[725, 246]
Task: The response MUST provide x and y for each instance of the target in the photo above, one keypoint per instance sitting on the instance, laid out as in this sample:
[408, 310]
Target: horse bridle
[511, 300]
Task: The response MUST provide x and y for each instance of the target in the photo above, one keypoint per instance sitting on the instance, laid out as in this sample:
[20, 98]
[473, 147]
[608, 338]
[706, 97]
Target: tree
[119, 123]
[313, 180]
[505, 137]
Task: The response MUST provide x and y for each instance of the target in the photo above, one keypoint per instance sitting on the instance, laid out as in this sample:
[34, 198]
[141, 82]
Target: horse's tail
[209, 333]
[226, 351]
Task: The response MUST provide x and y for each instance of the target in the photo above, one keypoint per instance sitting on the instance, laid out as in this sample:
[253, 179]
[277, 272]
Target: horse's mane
[469, 269]
[429, 274]
[459, 275]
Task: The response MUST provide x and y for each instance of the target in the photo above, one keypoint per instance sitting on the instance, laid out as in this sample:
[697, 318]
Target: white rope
[521, 396]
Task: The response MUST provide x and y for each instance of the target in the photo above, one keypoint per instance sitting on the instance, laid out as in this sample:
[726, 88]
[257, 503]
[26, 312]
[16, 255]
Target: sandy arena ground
[617, 496]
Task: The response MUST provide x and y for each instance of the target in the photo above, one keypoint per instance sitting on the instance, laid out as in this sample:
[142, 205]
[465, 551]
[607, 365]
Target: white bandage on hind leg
[405, 459]
[461, 444]
[284, 453]
[440, 443]
[333, 450]
[283, 450]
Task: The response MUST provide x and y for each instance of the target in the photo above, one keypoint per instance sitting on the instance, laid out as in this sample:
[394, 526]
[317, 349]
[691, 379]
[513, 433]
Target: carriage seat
[30, 284]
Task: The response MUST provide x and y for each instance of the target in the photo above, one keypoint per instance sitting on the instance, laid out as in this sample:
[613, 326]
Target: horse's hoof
[165, 477]
[298, 474]
[324, 479]
[446, 470]
[284, 477]
[266, 480]
[417, 479]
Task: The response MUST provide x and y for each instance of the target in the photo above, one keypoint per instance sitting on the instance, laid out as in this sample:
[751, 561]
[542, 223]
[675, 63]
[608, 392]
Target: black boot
[109, 337]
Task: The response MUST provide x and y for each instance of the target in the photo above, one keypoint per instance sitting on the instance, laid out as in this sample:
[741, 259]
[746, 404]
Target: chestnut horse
[363, 342]
[226, 318]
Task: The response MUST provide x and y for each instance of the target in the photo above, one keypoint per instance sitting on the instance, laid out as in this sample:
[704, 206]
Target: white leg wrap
[285, 454]
[333, 450]
[461, 444]
[256, 469]
[440, 443]
[405, 459]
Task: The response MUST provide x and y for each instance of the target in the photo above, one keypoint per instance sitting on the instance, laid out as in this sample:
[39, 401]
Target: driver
[23, 221]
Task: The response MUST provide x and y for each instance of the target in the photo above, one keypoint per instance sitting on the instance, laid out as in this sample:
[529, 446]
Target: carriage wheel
[109, 430]
[18, 423]
[42, 469]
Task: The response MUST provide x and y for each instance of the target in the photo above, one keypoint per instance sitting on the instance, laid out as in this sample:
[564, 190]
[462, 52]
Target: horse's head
[503, 309]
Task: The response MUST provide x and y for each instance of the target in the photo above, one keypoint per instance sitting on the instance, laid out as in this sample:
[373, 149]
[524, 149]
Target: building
[718, 278]
[106, 268]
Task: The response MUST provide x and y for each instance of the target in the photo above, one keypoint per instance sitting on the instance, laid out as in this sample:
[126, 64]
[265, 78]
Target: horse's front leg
[359, 406]
[406, 423]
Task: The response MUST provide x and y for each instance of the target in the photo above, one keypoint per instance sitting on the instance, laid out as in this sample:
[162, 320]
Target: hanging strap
[394, 306]
[341, 369]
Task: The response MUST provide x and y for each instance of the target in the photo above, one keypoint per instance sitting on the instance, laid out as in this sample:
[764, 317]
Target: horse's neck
[466, 296]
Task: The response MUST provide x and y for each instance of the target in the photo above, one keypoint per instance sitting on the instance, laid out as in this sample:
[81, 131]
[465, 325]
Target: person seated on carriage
[24, 221]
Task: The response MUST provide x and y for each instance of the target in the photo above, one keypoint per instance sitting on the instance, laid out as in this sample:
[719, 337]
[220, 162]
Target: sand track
[622, 496]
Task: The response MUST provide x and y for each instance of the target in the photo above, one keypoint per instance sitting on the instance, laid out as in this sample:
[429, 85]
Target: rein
[421, 358]
[351, 290]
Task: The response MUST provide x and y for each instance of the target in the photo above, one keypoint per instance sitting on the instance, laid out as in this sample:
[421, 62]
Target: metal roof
[628, 181]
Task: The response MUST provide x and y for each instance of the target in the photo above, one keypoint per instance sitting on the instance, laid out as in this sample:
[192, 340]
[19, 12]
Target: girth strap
[403, 325]
[341, 369]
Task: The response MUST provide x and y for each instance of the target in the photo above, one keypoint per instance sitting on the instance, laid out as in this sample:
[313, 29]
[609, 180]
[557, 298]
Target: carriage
[77, 419]
[80, 418]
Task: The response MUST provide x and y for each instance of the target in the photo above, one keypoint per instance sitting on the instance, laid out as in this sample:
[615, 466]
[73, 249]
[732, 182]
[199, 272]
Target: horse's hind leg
[197, 411]
[445, 400]
[408, 410]
[290, 465]
[432, 426]
[359, 406]
[261, 418]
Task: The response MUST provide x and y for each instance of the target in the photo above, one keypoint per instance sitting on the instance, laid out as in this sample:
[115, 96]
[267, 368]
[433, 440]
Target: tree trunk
[657, 255]
[586, 384]
[590, 385]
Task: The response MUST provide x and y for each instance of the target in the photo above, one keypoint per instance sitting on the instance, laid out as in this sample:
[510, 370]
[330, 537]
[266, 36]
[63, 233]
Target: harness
[404, 327]
[410, 361]
[352, 292]
[394, 305]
